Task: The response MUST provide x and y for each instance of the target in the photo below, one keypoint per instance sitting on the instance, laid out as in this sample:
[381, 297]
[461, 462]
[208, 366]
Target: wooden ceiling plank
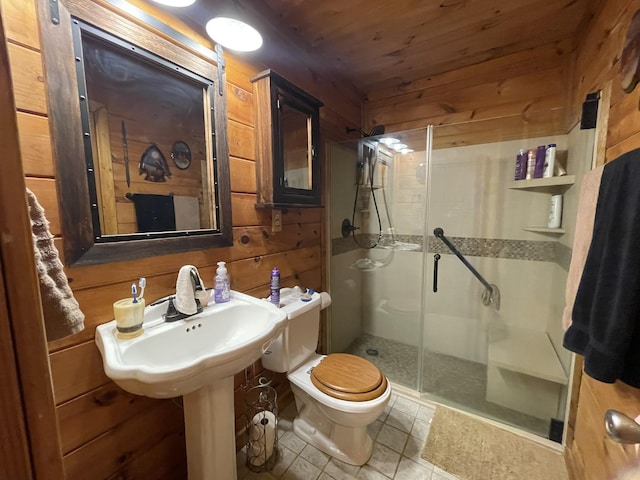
[462, 49]
[534, 59]
[396, 25]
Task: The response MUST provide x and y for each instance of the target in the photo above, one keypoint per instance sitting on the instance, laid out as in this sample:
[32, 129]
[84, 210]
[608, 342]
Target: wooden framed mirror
[139, 133]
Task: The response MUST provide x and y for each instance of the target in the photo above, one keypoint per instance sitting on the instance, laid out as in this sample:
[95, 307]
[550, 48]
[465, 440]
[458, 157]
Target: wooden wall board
[21, 24]
[152, 463]
[28, 79]
[35, 145]
[111, 451]
[601, 45]
[45, 190]
[240, 104]
[15, 458]
[243, 179]
[500, 129]
[241, 141]
[76, 370]
[629, 143]
[254, 272]
[93, 413]
[245, 212]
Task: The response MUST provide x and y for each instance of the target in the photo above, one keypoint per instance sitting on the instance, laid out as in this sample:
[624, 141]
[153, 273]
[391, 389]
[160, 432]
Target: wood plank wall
[520, 95]
[105, 432]
[592, 455]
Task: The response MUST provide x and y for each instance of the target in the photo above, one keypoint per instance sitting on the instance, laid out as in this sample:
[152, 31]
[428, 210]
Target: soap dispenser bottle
[221, 284]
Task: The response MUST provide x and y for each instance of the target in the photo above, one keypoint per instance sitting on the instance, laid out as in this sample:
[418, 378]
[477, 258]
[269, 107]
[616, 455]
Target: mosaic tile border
[537, 251]
[530, 250]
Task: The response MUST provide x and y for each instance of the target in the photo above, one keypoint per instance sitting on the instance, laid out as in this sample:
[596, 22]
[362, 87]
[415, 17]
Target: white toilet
[337, 396]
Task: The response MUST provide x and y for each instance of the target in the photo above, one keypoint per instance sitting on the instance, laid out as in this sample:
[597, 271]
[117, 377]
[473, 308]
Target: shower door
[499, 357]
[376, 271]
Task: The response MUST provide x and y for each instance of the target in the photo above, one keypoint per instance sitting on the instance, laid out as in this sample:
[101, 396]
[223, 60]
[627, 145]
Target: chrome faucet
[186, 302]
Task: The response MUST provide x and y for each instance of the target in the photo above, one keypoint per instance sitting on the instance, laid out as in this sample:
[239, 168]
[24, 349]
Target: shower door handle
[436, 258]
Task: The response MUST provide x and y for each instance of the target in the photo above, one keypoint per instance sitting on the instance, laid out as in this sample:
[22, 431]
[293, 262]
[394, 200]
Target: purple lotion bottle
[275, 287]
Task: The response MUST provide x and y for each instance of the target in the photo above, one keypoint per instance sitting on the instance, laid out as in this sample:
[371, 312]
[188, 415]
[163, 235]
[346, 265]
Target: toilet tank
[300, 337]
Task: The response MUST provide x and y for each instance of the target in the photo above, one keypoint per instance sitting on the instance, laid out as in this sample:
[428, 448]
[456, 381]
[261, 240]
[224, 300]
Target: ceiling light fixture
[398, 146]
[176, 3]
[388, 141]
[234, 34]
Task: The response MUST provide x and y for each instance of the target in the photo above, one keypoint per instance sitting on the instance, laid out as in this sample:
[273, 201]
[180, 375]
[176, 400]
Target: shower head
[376, 130]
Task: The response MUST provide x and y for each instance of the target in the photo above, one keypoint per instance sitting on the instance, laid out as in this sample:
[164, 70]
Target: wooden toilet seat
[347, 377]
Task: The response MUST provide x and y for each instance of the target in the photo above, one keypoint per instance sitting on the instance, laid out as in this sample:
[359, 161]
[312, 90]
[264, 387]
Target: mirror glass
[150, 139]
[297, 148]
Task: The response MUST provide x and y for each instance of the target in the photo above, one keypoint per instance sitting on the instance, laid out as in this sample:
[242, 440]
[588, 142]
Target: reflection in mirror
[149, 143]
[297, 148]
[138, 123]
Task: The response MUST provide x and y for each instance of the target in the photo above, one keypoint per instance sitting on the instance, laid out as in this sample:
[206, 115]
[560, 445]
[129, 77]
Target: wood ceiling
[381, 44]
[378, 44]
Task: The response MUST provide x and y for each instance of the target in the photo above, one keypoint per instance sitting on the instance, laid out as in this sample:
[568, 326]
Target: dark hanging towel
[154, 213]
[606, 313]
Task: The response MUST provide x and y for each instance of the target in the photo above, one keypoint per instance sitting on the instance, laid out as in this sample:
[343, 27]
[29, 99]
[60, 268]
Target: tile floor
[399, 435]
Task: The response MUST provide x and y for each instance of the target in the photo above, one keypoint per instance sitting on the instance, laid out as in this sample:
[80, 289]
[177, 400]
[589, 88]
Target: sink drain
[372, 351]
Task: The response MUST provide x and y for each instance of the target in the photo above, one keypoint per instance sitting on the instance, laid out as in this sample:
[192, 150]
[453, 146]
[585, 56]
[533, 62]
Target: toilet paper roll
[262, 434]
[325, 299]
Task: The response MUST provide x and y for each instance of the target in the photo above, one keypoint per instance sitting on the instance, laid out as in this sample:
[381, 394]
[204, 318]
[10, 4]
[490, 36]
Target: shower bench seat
[524, 372]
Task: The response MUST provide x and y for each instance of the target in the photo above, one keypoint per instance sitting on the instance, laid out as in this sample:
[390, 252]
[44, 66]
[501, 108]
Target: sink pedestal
[210, 431]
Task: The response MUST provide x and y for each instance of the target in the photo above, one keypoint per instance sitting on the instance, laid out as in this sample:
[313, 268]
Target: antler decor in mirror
[139, 133]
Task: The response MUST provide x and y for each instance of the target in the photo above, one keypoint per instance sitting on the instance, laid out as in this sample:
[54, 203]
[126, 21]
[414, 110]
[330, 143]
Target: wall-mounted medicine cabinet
[287, 131]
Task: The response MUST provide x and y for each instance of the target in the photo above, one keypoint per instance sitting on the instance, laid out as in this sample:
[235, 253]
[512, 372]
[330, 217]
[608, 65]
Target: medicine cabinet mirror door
[139, 134]
[297, 169]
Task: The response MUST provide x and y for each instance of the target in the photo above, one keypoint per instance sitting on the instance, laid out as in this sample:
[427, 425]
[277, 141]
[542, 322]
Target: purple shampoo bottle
[275, 287]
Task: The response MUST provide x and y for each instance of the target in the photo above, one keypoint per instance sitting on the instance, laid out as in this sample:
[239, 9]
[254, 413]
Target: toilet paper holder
[261, 403]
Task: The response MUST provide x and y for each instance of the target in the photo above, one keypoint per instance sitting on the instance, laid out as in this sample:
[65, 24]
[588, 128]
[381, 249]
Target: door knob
[621, 428]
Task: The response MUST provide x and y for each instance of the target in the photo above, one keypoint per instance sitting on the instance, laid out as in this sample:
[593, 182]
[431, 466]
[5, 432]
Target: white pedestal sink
[195, 358]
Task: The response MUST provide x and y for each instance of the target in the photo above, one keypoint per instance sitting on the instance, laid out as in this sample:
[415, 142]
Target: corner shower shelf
[558, 231]
[550, 185]
[529, 352]
[545, 185]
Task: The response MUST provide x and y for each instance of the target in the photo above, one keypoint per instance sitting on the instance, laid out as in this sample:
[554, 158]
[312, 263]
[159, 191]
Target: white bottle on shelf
[549, 161]
[555, 212]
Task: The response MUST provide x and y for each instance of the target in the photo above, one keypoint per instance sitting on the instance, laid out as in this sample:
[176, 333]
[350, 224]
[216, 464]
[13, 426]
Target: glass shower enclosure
[444, 273]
